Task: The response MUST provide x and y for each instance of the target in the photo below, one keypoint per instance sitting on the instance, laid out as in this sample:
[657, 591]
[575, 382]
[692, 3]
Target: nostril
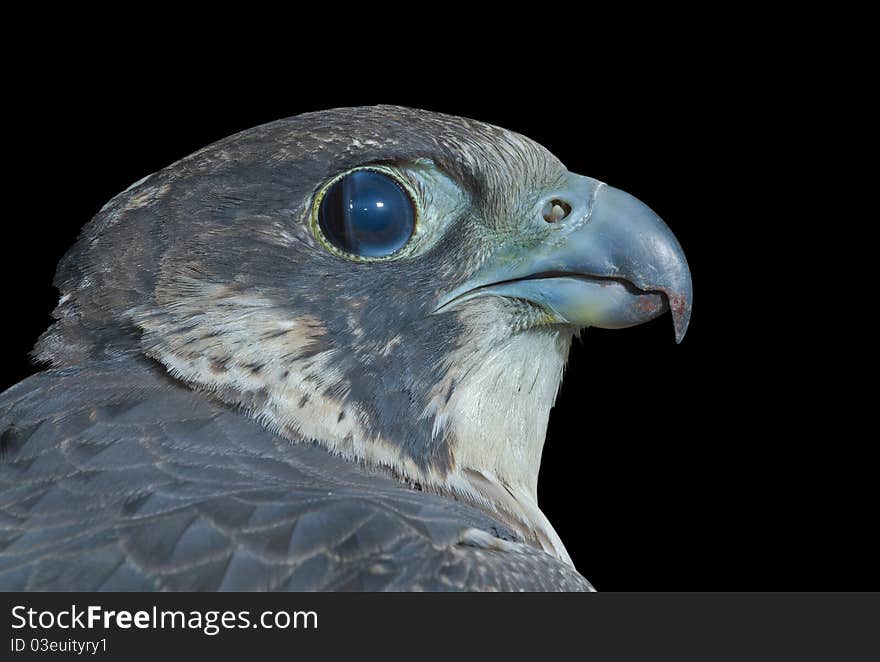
[555, 210]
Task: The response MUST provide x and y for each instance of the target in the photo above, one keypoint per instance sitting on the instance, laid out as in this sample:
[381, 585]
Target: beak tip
[680, 307]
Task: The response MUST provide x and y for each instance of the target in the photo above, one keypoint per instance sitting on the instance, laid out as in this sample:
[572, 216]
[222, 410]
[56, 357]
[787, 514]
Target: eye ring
[399, 239]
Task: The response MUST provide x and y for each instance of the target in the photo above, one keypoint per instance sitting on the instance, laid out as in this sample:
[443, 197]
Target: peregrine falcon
[321, 354]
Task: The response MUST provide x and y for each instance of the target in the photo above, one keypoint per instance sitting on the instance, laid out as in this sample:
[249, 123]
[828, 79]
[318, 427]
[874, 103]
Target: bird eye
[366, 213]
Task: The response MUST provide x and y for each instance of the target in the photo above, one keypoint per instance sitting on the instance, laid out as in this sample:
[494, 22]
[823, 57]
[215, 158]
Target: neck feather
[491, 405]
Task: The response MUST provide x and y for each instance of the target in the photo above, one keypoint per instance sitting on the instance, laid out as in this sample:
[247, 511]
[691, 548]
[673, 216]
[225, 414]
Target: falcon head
[401, 287]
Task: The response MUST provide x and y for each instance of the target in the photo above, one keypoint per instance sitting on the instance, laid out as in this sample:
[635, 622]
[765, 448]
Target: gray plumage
[230, 405]
[114, 479]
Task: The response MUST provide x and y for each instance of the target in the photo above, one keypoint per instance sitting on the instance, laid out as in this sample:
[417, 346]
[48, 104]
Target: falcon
[321, 355]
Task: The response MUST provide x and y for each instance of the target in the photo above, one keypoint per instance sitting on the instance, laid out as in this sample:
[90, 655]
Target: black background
[718, 464]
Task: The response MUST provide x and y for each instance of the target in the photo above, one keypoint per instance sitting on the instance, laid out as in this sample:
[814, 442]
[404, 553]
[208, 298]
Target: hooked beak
[611, 262]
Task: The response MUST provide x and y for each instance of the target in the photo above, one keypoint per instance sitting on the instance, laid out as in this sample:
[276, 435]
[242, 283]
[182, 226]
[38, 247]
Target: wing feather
[115, 478]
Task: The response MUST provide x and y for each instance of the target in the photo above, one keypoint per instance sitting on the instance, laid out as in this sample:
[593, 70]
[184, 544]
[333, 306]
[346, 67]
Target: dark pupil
[367, 213]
